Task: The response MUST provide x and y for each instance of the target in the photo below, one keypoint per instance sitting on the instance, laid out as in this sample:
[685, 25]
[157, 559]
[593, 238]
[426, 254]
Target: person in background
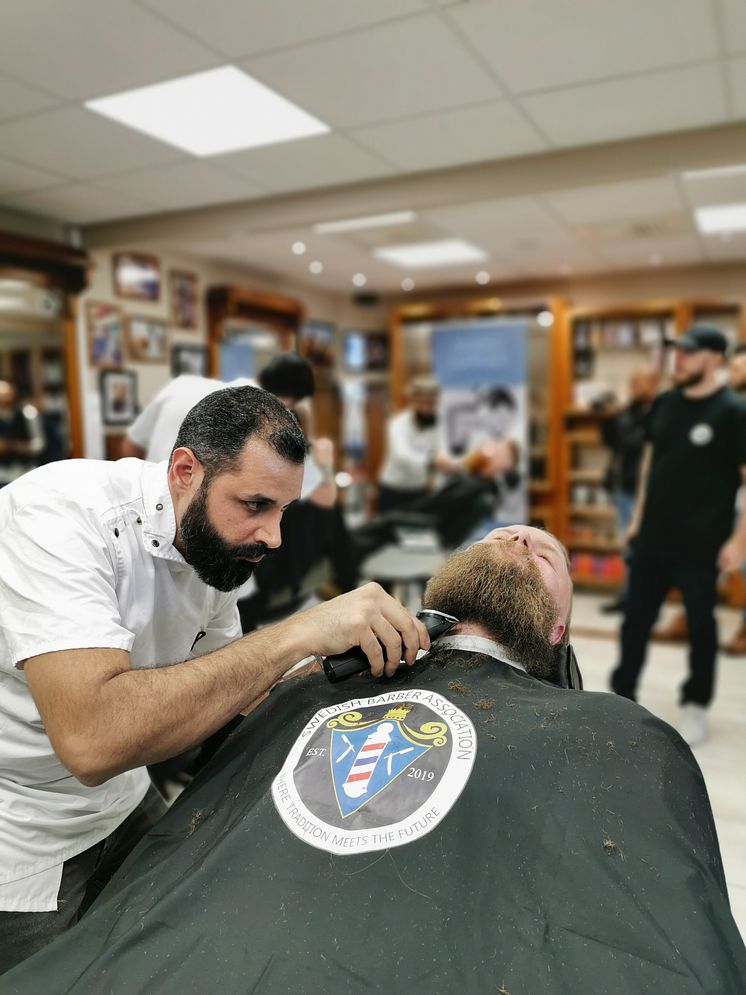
[416, 451]
[624, 435]
[736, 645]
[21, 435]
[693, 465]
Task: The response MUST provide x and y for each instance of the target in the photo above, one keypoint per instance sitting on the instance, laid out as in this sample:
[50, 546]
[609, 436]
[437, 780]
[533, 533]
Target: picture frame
[147, 340]
[315, 342]
[105, 333]
[365, 352]
[188, 359]
[183, 290]
[118, 389]
[136, 276]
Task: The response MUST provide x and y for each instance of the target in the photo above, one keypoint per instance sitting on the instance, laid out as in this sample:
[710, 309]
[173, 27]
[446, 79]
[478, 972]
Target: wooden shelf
[579, 438]
[540, 487]
[595, 477]
[594, 546]
[590, 511]
[596, 583]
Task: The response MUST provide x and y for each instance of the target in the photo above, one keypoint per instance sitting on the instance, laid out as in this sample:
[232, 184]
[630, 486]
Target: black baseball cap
[702, 337]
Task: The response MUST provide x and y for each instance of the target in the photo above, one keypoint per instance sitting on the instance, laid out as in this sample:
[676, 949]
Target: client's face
[498, 584]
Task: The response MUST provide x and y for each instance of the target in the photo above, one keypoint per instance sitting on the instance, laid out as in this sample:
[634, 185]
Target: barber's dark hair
[218, 427]
[288, 375]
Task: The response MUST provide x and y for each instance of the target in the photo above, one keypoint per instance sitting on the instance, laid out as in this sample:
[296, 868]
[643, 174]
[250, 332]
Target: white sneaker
[693, 724]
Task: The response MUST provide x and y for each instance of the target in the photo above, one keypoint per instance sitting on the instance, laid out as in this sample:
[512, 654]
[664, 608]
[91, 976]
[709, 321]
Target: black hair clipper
[354, 661]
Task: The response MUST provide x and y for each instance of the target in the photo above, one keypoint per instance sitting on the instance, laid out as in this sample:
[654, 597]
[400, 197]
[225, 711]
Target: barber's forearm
[148, 715]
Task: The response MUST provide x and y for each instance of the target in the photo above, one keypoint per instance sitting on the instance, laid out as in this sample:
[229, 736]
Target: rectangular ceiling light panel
[221, 110]
[421, 255]
[722, 219]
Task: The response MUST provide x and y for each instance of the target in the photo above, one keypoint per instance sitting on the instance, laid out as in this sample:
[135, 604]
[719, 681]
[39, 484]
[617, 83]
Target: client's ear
[558, 631]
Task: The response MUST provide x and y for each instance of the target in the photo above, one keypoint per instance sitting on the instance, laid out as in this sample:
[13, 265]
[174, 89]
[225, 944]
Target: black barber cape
[460, 828]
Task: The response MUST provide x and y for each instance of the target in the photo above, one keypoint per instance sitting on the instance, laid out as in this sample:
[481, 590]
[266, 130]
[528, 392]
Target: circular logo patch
[374, 773]
[701, 434]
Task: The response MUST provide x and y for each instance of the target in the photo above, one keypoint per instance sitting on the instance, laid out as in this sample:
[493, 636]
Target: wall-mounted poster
[188, 359]
[147, 340]
[316, 342]
[136, 276]
[366, 352]
[184, 299]
[104, 325]
[118, 396]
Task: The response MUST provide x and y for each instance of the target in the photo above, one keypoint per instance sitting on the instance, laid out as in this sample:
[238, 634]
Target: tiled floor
[721, 757]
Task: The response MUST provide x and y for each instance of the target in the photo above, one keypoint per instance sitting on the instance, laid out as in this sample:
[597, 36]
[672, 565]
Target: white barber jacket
[86, 560]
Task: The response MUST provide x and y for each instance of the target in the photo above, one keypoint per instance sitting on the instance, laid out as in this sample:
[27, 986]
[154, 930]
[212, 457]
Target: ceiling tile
[80, 49]
[638, 252]
[736, 69]
[715, 187]
[236, 28]
[546, 43]
[310, 162]
[183, 185]
[17, 177]
[17, 99]
[81, 144]
[499, 223]
[78, 203]
[475, 134]
[389, 71]
[734, 25]
[637, 199]
[722, 248]
[642, 105]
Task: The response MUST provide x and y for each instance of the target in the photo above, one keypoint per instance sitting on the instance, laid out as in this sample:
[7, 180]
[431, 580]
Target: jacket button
[159, 507]
[116, 533]
[155, 542]
[139, 520]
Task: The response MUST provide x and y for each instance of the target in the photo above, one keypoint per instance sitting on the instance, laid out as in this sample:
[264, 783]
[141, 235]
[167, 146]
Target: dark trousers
[650, 578]
[83, 879]
[392, 499]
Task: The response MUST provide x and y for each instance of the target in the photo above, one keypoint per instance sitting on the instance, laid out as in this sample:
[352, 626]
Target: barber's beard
[502, 590]
[215, 561]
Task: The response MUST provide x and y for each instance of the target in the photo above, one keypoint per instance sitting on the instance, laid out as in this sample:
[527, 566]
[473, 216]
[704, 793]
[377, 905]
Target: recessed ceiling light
[407, 283]
[545, 319]
[482, 277]
[316, 267]
[208, 113]
[359, 279]
[360, 224]
[420, 255]
[724, 217]
[298, 248]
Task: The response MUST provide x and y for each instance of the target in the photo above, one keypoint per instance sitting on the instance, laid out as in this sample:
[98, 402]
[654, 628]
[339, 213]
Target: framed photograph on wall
[136, 276]
[315, 342]
[188, 359]
[118, 396]
[365, 352]
[147, 340]
[184, 299]
[105, 328]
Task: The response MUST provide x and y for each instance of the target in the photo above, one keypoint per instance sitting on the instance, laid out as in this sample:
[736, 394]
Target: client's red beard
[500, 588]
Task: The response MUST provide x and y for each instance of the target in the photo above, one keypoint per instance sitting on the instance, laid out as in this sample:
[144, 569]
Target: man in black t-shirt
[693, 465]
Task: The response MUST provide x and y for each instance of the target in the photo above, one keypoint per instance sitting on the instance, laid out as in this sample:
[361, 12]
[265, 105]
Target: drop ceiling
[556, 135]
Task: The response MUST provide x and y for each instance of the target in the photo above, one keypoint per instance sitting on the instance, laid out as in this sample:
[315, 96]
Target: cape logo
[373, 773]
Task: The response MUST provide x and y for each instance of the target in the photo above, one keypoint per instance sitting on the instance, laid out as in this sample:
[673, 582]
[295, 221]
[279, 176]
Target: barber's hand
[368, 618]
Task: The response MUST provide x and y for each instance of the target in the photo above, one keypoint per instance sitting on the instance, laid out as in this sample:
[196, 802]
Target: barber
[111, 574]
